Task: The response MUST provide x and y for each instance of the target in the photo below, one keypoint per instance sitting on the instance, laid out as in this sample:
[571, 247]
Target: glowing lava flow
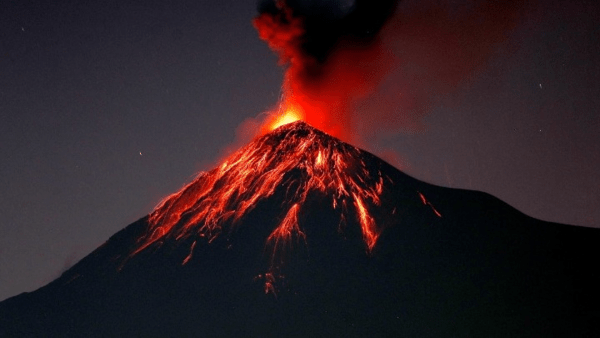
[295, 161]
[214, 202]
[229, 192]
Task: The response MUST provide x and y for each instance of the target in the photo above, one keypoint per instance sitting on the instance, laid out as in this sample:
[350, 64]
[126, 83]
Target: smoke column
[361, 69]
[332, 54]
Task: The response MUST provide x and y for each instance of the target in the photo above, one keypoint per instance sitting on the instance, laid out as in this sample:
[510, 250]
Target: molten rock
[299, 234]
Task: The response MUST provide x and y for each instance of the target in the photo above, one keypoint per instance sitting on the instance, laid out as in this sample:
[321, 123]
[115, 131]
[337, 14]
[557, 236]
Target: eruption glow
[296, 162]
[227, 193]
[379, 66]
[329, 65]
[291, 113]
[324, 77]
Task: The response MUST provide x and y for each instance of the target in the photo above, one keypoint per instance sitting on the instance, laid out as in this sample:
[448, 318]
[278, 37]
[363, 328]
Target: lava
[426, 202]
[189, 256]
[232, 190]
[216, 200]
[295, 159]
[291, 113]
[288, 229]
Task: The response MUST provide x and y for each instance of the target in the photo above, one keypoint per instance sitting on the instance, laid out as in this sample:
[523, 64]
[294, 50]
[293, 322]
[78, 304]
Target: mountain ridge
[444, 261]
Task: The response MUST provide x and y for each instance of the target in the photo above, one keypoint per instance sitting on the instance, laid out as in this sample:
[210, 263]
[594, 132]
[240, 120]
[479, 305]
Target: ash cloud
[366, 68]
[331, 53]
[324, 22]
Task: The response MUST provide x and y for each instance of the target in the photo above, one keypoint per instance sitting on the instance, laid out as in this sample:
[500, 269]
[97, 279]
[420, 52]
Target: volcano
[300, 234]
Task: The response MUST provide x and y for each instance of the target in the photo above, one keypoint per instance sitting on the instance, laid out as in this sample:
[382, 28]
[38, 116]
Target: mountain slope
[300, 234]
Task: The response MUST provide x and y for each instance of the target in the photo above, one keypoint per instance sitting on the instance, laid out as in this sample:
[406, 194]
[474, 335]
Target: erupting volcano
[297, 158]
[295, 161]
[300, 234]
[342, 243]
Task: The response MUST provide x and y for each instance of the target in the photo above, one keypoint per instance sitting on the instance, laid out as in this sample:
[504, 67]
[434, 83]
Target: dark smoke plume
[332, 54]
[324, 23]
[363, 68]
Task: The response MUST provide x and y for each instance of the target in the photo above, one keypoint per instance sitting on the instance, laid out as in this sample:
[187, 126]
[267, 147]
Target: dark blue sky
[106, 107]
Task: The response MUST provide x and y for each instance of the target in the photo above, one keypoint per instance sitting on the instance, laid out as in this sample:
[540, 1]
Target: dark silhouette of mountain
[299, 234]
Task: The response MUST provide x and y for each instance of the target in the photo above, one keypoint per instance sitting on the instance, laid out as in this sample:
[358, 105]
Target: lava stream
[252, 174]
[295, 159]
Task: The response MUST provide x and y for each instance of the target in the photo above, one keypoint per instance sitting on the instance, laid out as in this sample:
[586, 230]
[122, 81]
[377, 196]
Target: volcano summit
[300, 234]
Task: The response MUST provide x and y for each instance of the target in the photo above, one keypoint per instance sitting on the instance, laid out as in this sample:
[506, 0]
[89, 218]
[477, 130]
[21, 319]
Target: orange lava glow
[286, 231]
[252, 174]
[291, 114]
[426, 202]
[368, 224]
[215, 201]
[321, 92]
[189, 256]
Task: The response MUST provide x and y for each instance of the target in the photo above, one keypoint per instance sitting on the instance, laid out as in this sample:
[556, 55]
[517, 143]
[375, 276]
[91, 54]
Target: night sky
[107, 107]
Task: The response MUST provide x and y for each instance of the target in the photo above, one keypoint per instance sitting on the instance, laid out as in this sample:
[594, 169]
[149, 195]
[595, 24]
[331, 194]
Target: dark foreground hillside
[444, 262]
